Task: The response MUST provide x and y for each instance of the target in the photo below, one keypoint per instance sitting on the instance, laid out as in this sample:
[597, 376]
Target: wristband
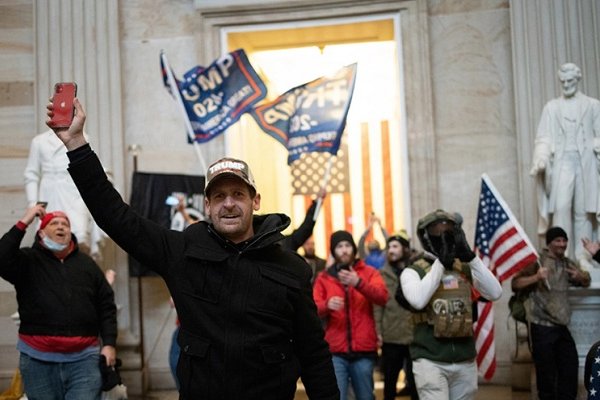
[21, 225]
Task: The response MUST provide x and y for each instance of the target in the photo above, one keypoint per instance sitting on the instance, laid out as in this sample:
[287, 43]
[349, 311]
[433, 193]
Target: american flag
[361, 182]
[505, 249]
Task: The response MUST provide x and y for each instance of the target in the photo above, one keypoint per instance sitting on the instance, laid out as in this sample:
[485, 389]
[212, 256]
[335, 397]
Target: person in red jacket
[344, 295]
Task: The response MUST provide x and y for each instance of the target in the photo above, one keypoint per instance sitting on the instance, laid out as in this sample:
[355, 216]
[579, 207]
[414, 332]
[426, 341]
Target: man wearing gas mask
[438, 288]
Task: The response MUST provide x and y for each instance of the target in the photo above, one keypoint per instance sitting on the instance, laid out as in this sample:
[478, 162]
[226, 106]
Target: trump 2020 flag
[504, 248]
[310, 117]
[216, 96]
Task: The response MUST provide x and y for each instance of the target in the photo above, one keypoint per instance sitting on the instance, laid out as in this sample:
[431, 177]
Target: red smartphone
[64, 93]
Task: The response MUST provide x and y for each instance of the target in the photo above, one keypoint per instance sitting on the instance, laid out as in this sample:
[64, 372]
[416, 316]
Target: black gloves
[463, 251]
[444, 248]
[448, 250]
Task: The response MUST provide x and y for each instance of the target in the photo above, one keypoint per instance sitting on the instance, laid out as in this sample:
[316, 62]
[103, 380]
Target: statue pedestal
[585, 325]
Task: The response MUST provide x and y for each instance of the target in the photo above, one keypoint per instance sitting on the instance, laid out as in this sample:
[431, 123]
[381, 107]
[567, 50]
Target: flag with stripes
[368, 176]
[505, 249]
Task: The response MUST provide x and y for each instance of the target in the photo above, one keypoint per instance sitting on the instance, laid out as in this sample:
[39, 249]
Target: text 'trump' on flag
[216, 96]
[310, 117]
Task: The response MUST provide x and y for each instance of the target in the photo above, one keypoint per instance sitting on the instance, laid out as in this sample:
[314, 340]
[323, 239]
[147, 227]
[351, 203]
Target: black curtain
[149, 193]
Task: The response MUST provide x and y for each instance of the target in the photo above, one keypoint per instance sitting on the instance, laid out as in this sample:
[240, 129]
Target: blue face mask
[52, 245]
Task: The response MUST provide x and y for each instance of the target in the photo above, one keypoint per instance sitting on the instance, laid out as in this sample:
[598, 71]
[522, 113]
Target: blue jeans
[61, 380]
[174, 356]
[359, 373]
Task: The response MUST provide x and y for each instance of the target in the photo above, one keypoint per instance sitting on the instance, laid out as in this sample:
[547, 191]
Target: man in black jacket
[66, 308]
[249, 326]
[301, 234]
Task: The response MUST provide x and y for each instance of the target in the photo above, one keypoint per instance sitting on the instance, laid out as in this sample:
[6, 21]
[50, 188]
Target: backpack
[516, 306]
[516, 303]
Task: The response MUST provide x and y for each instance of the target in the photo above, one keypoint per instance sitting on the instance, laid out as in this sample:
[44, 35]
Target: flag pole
[324, 185]
[188, 125]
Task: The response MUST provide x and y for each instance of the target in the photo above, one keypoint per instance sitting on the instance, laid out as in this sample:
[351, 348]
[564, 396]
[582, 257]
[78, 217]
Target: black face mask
[442, 243]
[444, 247]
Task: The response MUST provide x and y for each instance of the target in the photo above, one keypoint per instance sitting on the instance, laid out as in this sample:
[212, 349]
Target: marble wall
[474, 120]
[16, 130]
[150, 116]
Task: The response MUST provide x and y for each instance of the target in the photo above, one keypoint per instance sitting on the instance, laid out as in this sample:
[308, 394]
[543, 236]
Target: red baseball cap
[51, 215]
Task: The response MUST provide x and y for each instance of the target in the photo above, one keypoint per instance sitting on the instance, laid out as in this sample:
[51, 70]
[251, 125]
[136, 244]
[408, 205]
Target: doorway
[371, 173]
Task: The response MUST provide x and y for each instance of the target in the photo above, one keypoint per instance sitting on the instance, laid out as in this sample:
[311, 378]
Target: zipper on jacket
[231, 245]
[348, 322]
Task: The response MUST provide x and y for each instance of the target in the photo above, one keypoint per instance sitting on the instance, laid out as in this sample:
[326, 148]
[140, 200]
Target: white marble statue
[566, 162]
[47, 179]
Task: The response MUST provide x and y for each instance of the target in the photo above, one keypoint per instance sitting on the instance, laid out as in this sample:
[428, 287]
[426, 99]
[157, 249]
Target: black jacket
[68, 298]
[249, 326]
[303, 232]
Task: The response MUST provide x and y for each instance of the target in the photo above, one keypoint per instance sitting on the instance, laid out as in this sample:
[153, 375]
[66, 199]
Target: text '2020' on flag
[310, 117]
[504, 248]
[216, 96]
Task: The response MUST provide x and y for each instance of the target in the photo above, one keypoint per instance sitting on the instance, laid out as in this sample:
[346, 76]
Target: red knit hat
[51, 215]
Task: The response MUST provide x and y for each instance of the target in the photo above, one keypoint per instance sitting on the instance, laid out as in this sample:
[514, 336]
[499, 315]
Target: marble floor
[486, 392]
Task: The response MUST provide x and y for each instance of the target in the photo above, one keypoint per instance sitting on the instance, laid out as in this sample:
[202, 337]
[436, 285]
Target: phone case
[64, 93]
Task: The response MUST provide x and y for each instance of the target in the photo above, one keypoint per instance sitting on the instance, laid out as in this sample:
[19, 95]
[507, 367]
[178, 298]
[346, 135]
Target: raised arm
[142, 238]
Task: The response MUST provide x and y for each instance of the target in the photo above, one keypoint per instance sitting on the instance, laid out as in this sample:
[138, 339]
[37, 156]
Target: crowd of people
[255, 315]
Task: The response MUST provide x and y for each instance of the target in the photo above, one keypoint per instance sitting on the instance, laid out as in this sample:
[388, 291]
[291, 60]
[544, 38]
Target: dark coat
[249, 326]
[303, 232]
[58, 298]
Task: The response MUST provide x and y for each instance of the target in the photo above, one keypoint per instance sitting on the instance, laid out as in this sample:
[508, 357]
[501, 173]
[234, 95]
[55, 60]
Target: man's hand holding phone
[71, 135]
[62, 104]
[38, 210]
[348, 277]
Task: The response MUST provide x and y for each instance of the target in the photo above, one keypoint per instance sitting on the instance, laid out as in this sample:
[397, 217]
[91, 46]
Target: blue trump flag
[310, 117]
[216, 96]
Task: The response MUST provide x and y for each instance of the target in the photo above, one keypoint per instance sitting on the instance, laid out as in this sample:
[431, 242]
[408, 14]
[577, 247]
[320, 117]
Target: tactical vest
[450, 308]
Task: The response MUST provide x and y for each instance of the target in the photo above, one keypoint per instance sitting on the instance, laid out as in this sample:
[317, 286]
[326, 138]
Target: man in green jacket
[438, 287]
[394, 322]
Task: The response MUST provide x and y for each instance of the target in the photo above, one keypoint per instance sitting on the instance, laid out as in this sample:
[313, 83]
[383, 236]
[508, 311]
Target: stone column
[77, 40]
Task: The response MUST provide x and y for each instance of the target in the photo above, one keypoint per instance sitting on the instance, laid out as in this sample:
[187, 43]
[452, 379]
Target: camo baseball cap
[400, 236]
[228, 166]
[435, 216]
